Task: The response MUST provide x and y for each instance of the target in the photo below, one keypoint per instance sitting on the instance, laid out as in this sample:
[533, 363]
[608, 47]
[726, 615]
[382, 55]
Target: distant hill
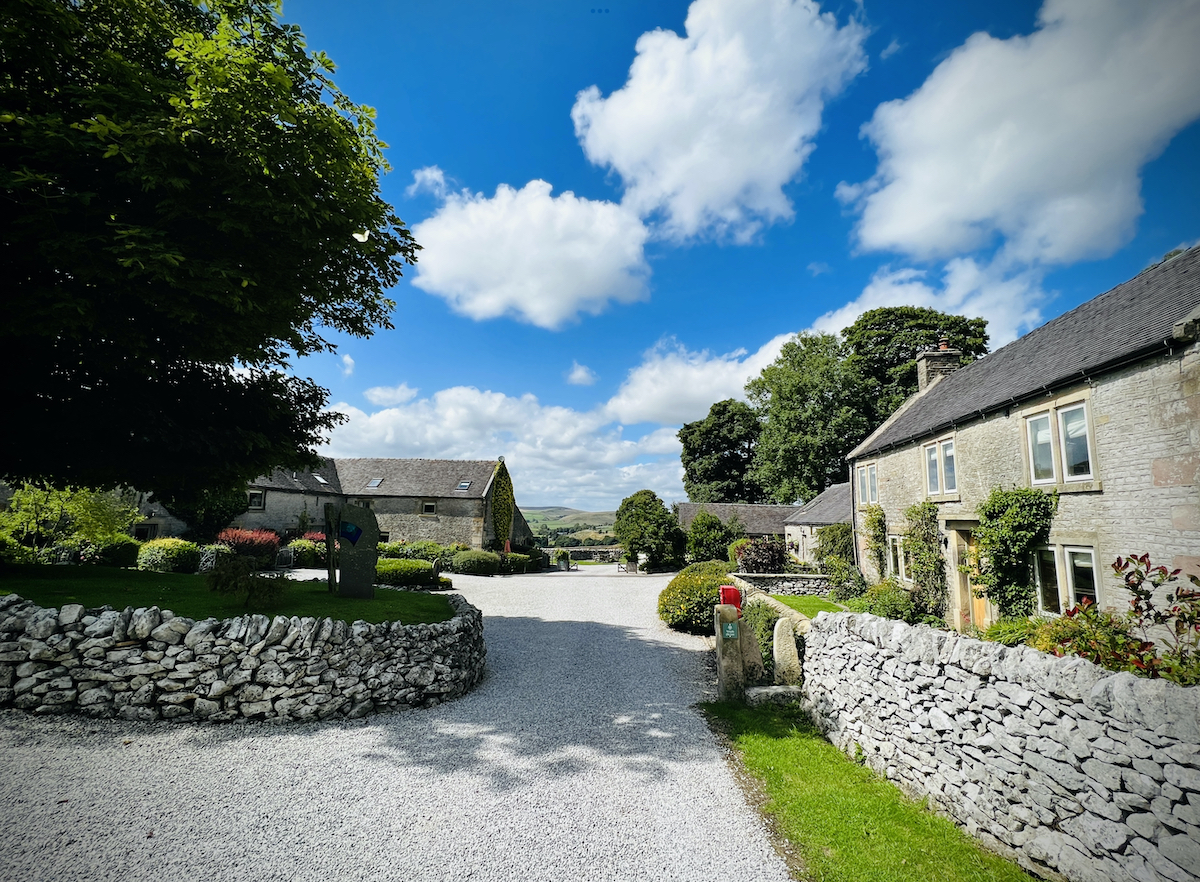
[561, 516]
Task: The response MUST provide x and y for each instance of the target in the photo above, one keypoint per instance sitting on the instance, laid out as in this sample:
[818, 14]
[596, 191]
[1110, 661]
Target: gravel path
[577, 758]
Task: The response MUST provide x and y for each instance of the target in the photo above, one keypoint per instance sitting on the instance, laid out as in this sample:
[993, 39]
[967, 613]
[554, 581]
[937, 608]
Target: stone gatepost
[357, 533]
[731, 677]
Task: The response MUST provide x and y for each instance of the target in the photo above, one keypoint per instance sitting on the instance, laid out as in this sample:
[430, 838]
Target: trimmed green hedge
[686, 604]
[515, 563]
[476, 563]
[169, 556]
[405, 573]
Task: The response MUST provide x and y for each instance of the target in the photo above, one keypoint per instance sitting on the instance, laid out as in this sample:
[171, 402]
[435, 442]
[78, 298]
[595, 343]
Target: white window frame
[1060, 413]
[896, 554]
[1037, 578]
[1069, 573]
[868, 484]
[937, 449]
[261, 505]
[428, 507]
[1048, 416]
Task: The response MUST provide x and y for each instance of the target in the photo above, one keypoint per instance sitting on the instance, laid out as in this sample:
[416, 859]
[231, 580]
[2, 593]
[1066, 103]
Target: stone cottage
[1101, 404]
[442, 500]
[831, 506]
[757, 520]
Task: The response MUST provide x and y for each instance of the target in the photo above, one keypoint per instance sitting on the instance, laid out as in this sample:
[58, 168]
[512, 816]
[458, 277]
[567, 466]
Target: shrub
[1012, 523]
[405, 573]
[927, 566]
[767, 554]
[735, 550]
[118, 551]
[845, 580]
[169, 556]
[890, 601]
[761, 619]
[306, 553]
[514, 563]
[236, 574]
[1011, 632]
[686, 604]
[1100, 636]
[834, 540]
[444, 583]
[707, 537]
[260, 545]
[13, 552]
[476, 563]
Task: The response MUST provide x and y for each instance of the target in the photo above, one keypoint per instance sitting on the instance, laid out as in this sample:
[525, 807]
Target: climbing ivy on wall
[503, 501]
[875, 525]
[1012, 523]
[927, 564]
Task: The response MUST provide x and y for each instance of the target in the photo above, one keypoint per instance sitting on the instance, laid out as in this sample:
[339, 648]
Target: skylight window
[320, 480]
[463, 485]
[374, 482]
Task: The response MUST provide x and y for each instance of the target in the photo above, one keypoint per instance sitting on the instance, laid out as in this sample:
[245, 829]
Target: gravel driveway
[577, 758]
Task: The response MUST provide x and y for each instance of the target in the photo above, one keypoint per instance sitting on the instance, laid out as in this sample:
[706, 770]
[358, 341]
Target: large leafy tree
[883, 345]
[717, 454]
[815, 408]
[188, 203]
[644, 525]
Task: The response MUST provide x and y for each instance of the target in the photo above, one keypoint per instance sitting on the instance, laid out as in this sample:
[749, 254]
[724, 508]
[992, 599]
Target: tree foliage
[883, 345]
[189, 203]
[644, 525]
[718, 452]
[815, 408]
[39, 516]
[708, 538]
[209, 512]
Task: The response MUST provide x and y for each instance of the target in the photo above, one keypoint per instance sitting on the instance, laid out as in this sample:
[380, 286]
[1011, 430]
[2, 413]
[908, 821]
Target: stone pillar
[789, 670]
[358, 533]
[731, 678]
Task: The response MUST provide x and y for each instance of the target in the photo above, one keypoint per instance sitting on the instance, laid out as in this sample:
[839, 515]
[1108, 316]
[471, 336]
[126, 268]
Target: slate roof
[432, 478]
[1128, 324]
[759, 520]
[831, 506]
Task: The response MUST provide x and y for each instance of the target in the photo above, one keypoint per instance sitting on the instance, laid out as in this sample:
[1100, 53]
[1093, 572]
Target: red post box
[731, 595]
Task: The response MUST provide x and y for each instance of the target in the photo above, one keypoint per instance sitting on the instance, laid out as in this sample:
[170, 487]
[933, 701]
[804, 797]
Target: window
[383, 537]
[1060, 445]
[429, 507]
[463, 485]
[320, 480]
[868, 489]
[941, 477]
[901, 564]
[1041, 449]
[258, 500]
[1081, 575]
[1045, 569]
[1073, 430]
[374, 482]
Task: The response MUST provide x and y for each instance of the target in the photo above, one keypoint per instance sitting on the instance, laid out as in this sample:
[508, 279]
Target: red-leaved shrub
[261, 544]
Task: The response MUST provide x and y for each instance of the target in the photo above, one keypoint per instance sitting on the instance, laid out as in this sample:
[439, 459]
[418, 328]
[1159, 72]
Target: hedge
[404, 573]
[686, 604]
[262, 545]
[476, 563]
[169, 556]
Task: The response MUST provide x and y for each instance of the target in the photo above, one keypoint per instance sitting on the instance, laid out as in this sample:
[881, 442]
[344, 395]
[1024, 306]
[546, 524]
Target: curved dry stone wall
[149, 664]
[1055, 762]
[792, 584]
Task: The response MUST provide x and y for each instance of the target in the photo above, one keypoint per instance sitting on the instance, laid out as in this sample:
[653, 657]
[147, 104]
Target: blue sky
[626, 209]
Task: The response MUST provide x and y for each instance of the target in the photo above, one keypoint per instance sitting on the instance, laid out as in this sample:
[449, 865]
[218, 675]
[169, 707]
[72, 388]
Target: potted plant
[562, 559]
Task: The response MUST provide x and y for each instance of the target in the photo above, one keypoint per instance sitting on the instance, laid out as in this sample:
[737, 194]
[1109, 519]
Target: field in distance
[558, 516]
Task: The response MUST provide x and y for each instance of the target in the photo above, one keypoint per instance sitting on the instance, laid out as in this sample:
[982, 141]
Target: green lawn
[808, 605]
[52, 586]
[847, 823]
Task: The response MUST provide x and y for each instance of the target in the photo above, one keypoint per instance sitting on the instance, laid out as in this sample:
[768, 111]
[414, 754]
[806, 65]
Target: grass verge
[845, 822]
[808, 605]
[52, 586]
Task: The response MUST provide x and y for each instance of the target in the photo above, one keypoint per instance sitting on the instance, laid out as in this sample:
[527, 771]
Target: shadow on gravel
[559, 698]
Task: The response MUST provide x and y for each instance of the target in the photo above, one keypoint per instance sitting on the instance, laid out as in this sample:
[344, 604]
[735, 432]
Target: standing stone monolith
[358, 539]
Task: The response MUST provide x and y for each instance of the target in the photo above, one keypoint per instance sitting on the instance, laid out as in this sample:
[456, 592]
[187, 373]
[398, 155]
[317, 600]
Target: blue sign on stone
[351, 532]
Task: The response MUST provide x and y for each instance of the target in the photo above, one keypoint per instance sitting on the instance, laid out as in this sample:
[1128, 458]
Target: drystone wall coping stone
[1065, 767]
[149, 664]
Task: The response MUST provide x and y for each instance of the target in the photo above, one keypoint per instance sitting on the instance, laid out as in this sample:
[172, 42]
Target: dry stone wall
[149, 664]
[791, 584]
[1059, 764]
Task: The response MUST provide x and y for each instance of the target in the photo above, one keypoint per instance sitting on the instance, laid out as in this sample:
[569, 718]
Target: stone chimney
[934, 363]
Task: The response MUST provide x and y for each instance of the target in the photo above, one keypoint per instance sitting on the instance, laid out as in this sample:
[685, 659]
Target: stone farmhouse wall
[1057, 763]
[149, 664]
[1145, 430]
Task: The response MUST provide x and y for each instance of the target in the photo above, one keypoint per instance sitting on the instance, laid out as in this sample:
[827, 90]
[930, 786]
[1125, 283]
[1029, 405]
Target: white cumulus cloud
[347, 365]
[1037, 139]
[524, 253]
[581, 375]
[388, 395]
[1010, 302]
[429, 179]
[674, 385]
[710, 126]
